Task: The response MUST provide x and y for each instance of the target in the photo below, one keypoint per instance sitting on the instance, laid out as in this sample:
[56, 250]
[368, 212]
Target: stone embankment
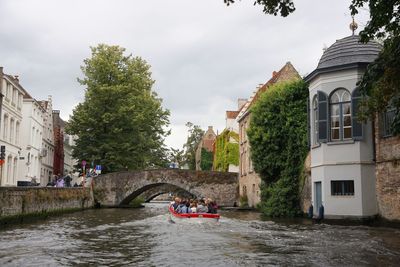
[18, 203]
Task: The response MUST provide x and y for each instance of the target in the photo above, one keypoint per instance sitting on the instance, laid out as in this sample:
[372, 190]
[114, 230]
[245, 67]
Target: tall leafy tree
[278, 139]
[121, 123]
[195, 134]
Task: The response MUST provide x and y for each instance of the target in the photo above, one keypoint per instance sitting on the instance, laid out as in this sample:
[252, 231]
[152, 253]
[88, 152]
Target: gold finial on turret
[353, 25]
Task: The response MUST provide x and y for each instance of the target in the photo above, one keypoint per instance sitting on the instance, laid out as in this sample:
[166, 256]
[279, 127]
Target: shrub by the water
[278, 139]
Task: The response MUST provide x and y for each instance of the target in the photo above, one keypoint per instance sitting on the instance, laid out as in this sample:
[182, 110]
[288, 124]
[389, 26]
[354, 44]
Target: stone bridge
[120, 188]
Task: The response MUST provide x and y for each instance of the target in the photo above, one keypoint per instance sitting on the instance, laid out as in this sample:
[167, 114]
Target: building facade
[58, 131]
[387, 167]
[46, 173]
[10, 127]
[207, 142]
[32, 137]
[342, 148]
[249, 180]
[69, 160]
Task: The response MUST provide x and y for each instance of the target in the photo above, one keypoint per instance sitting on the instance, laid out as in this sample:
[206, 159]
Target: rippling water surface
[146, 237]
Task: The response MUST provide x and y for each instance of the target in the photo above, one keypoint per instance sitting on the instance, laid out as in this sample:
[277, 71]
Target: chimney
[274, 73]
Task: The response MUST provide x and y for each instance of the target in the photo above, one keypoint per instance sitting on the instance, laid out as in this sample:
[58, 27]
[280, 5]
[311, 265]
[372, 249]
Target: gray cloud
[203, 54]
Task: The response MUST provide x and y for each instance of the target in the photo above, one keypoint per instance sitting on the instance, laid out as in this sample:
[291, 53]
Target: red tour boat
[193, 215]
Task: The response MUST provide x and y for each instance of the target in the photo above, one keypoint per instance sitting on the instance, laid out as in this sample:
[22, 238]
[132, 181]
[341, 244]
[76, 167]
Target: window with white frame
[340, 113]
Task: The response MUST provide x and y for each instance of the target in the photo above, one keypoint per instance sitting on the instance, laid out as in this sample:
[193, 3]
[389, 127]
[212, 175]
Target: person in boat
[184, 207]
[193, 206]
[202, 207]
[211, 206]
[176, 203]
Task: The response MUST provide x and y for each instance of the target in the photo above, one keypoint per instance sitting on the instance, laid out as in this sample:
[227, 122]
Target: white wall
[32, 138]
[10, 137]
[343, 160]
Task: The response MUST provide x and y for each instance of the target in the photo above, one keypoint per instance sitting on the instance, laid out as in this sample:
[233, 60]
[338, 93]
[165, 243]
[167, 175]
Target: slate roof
[349, 50]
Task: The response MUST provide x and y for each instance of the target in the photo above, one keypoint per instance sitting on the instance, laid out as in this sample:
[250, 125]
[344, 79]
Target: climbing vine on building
[278, 139]
[206, 160]
[226, 150]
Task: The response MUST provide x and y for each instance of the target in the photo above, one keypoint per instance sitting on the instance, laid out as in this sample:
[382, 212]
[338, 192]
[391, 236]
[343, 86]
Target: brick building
[207, 142]
[58, 130]
[387, 167]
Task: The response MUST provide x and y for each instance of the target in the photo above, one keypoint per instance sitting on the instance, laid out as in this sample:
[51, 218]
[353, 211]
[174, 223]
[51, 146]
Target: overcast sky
[204, 55]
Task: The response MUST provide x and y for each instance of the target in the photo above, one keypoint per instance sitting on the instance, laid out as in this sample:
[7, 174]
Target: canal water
[146, 237]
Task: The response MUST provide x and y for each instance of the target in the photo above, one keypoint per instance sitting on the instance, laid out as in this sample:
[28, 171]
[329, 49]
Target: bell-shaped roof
[346, 53]
[349, 50]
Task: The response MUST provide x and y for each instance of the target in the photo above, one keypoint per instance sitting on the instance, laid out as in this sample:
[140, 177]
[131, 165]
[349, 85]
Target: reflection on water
[146, 237]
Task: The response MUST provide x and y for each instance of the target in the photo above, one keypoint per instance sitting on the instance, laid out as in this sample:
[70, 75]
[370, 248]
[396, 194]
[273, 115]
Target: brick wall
[387, 175]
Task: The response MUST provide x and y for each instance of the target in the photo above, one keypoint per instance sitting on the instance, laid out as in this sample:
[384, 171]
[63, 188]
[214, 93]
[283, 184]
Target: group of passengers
[194, 206]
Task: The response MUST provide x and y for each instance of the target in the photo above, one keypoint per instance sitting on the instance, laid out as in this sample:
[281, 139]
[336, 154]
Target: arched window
[340, 111]
[315, 120]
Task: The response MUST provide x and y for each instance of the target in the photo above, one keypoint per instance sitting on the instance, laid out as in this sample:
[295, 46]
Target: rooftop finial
[353, 25]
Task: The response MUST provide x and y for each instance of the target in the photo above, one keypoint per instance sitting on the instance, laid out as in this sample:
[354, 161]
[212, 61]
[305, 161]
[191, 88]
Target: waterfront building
[207, 142]
[69, 160]
[10, 127]
[387, 166]
[226, 146]
[47, 153]
[342, 147]
[249, 180]
[31, 140]
[58, 131]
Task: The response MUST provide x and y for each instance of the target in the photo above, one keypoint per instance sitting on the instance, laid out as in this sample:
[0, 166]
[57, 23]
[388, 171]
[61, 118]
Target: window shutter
[322, 117]
[308, 123]
[357, 126]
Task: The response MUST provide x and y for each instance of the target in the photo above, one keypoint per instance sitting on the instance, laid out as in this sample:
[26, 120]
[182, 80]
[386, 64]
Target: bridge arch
[119, 188]
[153, 190]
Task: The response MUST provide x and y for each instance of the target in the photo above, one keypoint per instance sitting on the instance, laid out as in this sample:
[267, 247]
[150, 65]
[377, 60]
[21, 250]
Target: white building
[69, 161]
[342, 148]
[32, 138]
[10, 127]
[46, 172]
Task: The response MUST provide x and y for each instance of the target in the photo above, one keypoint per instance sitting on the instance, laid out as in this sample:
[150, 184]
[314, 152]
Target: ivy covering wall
[278, 139]
[226, 152]
[206, 160]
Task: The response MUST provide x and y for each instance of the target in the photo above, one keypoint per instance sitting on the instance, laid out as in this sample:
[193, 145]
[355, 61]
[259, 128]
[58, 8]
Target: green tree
[121, 123]
[195, 134]
[278, 139]
[206, 160]
[176, 156]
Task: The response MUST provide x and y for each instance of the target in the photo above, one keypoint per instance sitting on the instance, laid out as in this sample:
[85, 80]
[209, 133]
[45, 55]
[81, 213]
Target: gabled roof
[286, 73]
